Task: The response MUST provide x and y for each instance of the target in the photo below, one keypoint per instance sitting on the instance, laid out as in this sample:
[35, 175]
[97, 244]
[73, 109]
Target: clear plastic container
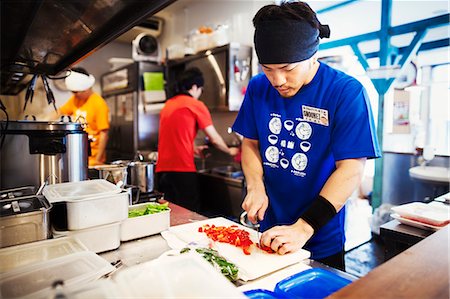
[97, 239]
[431, 213]
[34, 281]
[100, 289]
[145, 225]
[75, 191]
[185, 276]
[27, 254]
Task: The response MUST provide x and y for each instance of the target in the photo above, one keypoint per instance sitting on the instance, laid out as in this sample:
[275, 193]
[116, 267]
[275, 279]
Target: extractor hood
[48, 36]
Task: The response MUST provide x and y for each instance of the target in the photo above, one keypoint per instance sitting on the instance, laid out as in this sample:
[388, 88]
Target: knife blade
[246, 222]
[258, 231]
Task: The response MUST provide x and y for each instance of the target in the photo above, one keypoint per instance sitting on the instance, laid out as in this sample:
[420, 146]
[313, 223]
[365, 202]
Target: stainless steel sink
[221, 191]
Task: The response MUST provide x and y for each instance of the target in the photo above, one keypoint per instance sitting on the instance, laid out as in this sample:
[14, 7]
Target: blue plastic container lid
[263, 294]
[311, 283]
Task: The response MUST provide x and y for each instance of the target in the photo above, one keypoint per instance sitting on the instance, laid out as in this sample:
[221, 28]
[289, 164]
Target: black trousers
[181, 188]
[336, 260]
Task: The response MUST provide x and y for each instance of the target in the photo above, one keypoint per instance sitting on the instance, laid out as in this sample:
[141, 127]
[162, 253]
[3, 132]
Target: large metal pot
[142, 174]
[116, 174]
[35, 151]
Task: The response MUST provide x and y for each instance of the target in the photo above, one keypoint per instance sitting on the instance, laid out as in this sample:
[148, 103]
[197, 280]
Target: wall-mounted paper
[153, 81]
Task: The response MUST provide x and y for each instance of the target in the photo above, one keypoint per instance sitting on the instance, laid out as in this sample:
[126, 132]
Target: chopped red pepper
[231, 235]
[265, 248]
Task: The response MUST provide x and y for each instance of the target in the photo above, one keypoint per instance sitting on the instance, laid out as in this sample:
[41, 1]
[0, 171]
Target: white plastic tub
[89, 203]
[143, 226]
[97, 239]
[34, 281]
[27, 254]
[100, 289]
[184, 276]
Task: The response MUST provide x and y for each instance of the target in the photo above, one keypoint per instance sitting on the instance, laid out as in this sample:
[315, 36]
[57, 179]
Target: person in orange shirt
[180, 119]
[87, 107]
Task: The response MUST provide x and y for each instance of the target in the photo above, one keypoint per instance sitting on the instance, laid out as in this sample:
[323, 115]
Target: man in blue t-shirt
[308, 130]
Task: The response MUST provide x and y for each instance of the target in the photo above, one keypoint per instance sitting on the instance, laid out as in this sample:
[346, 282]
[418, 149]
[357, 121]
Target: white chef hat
[79, 79]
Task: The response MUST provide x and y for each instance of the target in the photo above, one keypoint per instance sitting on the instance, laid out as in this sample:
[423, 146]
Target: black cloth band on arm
[319, 213]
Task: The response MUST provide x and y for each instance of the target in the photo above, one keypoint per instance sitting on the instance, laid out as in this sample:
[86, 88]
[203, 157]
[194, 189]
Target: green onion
[152, 208]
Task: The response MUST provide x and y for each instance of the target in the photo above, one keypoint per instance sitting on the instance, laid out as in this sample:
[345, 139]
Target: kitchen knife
[244, 221]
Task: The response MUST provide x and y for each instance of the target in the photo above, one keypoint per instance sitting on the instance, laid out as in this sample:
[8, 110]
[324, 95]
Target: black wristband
[319, 213]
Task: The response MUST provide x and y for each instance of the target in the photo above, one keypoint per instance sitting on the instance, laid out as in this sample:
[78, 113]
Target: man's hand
[198, 151]
[234, 151]
[287, 238]
[255, 203]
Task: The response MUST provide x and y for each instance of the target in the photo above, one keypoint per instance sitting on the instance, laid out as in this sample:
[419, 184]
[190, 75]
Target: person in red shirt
[180, 119]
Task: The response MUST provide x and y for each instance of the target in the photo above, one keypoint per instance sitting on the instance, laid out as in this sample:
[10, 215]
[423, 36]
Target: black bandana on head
[287, 41]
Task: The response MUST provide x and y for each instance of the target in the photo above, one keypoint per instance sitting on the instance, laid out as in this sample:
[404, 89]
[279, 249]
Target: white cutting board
[252, 266]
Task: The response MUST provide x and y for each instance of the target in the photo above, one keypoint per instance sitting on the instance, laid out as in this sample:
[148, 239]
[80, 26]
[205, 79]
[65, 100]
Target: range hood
[48, 36]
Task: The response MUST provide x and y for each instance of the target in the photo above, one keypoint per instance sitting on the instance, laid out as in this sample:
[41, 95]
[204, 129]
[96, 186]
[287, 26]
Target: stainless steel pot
[116, 174]
[34, 152]
[142, 174]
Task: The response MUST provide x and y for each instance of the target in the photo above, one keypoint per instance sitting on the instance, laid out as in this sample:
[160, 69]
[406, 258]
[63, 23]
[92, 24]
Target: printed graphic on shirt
[305, 146]
[303, 130]
[315, 115]
[80, 116]
[289, 141]
[273, 139]
[275, 125]
[299, 161]
[272, 154]
[288, 124]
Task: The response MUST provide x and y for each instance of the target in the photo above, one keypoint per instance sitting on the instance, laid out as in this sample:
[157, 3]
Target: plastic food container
[97, 239]
[24, 220]
[79, 190]
[263, 294]
[34, 281]
[100, 289]
[435, 214]
[184, 276]
[311, 283]
[90, 203]
[27, 254]
[146, 225]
